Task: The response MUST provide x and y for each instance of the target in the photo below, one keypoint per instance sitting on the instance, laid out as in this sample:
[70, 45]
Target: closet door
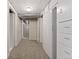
[64, 29]
[32, 29]
[64, 40]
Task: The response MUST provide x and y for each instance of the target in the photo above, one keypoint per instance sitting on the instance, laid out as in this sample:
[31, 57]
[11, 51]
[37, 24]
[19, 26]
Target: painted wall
[47, 28]
[64, 10]
[18, 29]
[12, 29]
[47, 32]
[8, 31]
[16, 23]
[40, 30]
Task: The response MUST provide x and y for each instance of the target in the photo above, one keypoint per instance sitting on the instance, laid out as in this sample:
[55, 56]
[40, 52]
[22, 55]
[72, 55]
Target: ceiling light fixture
[28, 9]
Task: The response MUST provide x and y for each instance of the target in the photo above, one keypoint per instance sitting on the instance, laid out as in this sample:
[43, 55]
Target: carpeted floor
[28, 50]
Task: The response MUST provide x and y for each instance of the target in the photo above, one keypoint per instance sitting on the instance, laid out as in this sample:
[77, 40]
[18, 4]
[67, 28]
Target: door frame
[54, 32]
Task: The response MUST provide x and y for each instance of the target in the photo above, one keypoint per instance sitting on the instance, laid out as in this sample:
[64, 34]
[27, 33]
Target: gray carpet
[28, 50]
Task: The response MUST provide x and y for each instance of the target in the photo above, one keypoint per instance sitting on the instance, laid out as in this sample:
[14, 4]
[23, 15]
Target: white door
[32, 29]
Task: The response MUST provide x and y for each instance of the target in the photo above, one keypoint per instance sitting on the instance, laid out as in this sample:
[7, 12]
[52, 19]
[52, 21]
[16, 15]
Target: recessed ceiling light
[28, 9]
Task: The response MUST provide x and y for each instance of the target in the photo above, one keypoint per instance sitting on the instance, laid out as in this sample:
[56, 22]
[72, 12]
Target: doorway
[25, 27]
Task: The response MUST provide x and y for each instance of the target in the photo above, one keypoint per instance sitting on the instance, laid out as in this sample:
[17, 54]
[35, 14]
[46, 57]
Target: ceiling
[36, 5]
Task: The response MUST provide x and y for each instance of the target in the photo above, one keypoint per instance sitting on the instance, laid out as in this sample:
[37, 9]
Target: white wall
[17, 30]
[12, 28]
[47, 28]
[66, 12]
[40, 30]
[8, 31]
[47, 32]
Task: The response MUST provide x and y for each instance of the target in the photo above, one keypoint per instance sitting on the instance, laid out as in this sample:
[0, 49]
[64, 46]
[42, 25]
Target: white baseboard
[8, 53]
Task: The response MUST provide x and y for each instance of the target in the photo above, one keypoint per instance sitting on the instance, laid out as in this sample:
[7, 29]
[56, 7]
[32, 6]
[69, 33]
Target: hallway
[28, 50]
[39, 29]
